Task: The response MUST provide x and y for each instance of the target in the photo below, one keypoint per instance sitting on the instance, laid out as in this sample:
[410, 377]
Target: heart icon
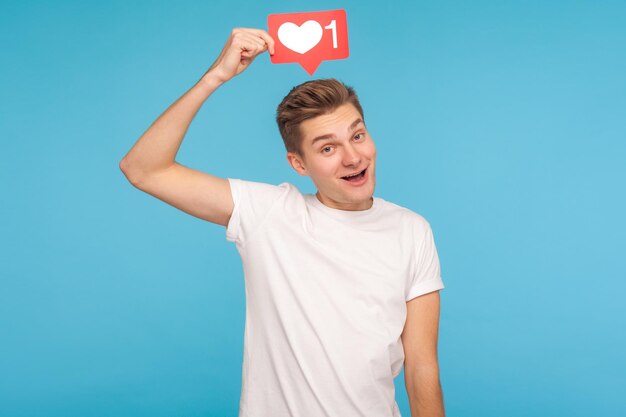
[300, 39]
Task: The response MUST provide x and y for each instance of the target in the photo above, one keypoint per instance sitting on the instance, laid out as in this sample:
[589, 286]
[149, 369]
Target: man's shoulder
[406, 214]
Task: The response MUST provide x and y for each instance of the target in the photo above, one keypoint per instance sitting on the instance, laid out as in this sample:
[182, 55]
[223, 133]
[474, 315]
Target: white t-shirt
[326, 294]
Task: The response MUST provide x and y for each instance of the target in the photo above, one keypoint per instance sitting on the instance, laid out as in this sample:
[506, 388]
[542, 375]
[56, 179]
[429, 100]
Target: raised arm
[151, 165]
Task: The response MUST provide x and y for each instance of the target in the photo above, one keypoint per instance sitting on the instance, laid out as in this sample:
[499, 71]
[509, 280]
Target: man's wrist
[211, 80]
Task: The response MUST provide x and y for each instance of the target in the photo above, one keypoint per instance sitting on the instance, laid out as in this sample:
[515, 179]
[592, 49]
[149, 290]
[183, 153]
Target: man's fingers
[246, 42]
[242, 47]
[266, 38]
[252, 44]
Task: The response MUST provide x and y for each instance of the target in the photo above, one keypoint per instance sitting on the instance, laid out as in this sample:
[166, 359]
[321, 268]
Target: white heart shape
[300, 39]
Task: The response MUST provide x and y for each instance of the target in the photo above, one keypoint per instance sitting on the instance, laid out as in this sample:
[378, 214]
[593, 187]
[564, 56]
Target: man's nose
[351, 156]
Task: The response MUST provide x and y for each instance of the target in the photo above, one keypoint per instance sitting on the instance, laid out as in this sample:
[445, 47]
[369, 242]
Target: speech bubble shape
[309, 38]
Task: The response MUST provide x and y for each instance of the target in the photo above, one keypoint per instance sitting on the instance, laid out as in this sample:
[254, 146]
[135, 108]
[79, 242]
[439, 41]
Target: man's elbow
[130, 175]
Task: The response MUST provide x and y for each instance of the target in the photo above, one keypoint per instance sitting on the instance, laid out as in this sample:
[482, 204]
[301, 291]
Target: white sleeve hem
[425, 287]
[232, 228]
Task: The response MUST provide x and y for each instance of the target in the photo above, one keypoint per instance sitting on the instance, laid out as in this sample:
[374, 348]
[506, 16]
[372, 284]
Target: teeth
[350, 176]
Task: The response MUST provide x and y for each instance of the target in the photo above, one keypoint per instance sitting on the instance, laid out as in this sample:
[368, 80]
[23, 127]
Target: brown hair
[308, 100]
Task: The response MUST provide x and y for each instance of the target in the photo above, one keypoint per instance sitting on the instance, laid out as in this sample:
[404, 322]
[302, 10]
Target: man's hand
[242, 47]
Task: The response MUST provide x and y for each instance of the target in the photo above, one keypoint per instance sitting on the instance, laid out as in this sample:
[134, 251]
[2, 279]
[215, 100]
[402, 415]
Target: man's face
[336, 145]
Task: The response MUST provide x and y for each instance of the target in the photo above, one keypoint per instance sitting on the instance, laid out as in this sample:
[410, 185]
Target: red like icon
[309, 38]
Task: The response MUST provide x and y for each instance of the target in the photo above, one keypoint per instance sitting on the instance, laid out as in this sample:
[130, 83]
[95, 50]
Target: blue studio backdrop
[501, 122]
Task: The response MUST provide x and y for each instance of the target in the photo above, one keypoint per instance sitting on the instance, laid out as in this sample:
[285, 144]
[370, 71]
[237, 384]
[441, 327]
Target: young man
[342, 288]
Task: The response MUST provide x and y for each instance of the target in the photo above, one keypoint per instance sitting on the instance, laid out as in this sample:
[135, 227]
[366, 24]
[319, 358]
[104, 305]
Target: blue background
[501, 122]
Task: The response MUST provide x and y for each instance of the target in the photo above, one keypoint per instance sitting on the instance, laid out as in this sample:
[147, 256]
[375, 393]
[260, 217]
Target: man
[342, 288]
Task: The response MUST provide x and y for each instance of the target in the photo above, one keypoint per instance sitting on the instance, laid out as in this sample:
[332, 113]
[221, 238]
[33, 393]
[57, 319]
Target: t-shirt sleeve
[253, 202]
[426, 273]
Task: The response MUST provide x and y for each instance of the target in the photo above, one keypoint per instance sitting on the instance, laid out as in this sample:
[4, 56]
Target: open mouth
[356, 177]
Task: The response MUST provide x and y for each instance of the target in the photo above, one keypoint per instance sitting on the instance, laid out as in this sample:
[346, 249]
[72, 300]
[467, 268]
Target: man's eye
[328, 147]
[359, 136]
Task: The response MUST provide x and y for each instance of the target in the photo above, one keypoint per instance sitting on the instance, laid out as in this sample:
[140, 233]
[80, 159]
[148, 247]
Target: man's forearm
[156, 149]
[424, 392]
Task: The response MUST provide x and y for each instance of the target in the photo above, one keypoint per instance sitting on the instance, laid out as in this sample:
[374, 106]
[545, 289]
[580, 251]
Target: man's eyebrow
[329, 136]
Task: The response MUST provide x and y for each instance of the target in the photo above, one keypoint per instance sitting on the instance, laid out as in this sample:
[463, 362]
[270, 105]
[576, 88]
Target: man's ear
[297, 163]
